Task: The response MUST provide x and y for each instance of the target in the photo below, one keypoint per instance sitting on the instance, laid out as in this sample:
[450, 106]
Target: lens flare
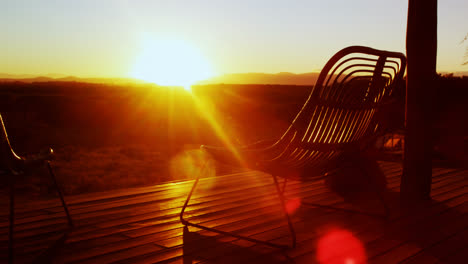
[340, 246]
[292, 205]
[189, 164]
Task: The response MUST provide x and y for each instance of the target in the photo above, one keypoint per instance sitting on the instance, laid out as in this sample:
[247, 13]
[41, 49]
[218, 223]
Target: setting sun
[170, 63]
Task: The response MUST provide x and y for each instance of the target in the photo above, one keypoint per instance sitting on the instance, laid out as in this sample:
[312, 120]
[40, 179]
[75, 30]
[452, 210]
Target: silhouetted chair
[339, 118]
[14, 166]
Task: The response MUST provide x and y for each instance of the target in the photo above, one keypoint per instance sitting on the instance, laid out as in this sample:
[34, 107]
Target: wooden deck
[141, 225]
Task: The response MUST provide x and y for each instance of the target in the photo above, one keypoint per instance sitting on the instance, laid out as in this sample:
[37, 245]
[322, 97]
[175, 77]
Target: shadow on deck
[141, 225]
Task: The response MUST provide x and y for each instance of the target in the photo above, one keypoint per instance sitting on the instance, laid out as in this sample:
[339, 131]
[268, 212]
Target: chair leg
[284, 185]
[285, 210]
[11, 246]
[64, 204]
[232, 234]
[181, 216]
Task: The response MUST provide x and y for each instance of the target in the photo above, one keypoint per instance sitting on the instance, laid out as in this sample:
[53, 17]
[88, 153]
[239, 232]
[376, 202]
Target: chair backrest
[339, 112]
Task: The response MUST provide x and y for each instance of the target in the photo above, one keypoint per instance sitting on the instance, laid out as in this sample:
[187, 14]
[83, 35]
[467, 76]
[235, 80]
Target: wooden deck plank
[230, 214]
[96, 208]
[122, 254]
[460, 256]
[97, 205]
[364, 229]
[317, 223]
[293, 251]
[457, 257]
[141, 225]
[440, 250]
[416, 237]
[90, 200]
[118, 212]
[71, 255]
[86, 200]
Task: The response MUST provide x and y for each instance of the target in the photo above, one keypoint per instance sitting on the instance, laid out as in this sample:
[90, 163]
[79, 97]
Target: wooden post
[421, 51]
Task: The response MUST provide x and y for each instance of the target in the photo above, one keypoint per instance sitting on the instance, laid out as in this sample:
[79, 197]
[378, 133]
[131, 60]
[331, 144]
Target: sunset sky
[118, 38]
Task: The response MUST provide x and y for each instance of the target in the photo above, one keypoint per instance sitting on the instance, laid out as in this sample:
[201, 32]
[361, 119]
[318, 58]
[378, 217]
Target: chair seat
[31, 161]
[44, 155]
[260, 156]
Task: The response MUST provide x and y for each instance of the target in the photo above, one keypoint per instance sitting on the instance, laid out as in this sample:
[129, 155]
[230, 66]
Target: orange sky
[108, 38]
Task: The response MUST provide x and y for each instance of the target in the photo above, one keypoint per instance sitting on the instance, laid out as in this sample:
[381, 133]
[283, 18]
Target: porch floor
[141, 225]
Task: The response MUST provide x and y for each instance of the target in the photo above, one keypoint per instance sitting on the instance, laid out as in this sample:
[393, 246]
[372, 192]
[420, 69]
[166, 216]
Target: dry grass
[91, 132]
[85, 170]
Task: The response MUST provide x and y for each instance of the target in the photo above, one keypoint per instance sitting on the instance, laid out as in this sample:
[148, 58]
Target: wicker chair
[13, 166]
[339, 117]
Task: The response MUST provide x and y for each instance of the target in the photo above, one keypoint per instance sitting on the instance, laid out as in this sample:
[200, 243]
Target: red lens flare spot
[292, 205]
[340, 246]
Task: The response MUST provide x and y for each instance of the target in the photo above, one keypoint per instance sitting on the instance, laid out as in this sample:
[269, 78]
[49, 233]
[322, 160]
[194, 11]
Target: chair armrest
[35, 160]
[260, 144]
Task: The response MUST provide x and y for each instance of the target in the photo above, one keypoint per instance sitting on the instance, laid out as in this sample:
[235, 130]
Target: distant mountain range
[285, 78]
[63, 78]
